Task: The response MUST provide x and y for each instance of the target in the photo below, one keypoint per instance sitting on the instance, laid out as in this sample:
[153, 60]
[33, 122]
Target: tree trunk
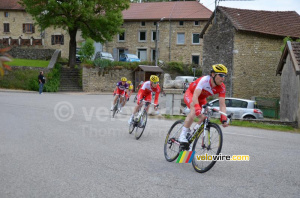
[72, 48]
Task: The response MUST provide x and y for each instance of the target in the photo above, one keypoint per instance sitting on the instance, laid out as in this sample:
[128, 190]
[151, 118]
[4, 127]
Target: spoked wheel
[141, 125]
[131, 127]
[172, 146]
[211, 144]
[115, 108]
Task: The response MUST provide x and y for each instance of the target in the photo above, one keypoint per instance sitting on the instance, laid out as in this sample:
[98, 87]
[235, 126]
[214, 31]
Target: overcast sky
[271, 5]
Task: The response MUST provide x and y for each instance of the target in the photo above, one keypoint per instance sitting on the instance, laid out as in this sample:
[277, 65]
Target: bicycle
[206, 134]
[139, 123]
[116, 107]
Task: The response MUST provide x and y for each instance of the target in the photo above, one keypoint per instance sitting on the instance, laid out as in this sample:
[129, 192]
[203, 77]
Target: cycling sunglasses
[155, 83]
[222, 75]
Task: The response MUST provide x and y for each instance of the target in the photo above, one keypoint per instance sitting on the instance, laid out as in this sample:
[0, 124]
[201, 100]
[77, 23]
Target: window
[154, 23]
[153, 54]
[196, 39]
[6, 27]
[142, 36]
[6, 14]
[195, 59]
[28, 28]
[181, 23]
[121, 37]
[57, 39]
[197, 23]
[180, 38]
[154, 36]
[143, 23]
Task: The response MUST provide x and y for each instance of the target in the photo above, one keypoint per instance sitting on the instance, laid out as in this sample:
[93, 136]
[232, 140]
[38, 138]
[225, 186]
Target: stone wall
[251, 59]
[16, 20]
[95, 79]
[218, 48]
[30, 53]
[168, 48]
[255, 63]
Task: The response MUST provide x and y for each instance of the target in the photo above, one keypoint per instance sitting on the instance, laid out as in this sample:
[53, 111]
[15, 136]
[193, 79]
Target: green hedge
[28, 80]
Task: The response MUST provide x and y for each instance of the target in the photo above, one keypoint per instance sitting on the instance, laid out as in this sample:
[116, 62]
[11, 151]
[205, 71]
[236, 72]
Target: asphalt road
[67, 145]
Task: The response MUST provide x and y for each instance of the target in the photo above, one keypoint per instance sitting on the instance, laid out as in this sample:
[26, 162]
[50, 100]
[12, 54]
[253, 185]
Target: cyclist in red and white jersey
[145, 92]
[195, 96]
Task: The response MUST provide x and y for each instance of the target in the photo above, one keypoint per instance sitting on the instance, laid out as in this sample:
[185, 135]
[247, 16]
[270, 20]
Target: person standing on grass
[41, 82]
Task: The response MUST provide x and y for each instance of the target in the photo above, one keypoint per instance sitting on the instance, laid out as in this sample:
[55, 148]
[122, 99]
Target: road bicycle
[116, 107]
[207, 139]
[139, 122]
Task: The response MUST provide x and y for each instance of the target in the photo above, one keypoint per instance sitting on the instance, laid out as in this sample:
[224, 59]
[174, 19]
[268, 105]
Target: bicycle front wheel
[210, 144]
[172, 146]
[141, 125]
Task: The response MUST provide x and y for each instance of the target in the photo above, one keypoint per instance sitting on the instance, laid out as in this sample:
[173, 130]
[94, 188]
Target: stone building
[179, 25]
[17, 29]
[248, 42]
[289, 69]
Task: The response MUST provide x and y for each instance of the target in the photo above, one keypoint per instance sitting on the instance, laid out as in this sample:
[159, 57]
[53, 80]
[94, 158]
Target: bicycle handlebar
[209, 108]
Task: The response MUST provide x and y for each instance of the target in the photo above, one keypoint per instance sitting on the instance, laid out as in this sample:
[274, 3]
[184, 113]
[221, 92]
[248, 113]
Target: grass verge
[28, 63]
[242, 123]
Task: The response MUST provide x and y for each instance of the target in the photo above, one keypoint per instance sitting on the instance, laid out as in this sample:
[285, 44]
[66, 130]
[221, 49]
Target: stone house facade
[17, 29]
[178, 23]
[289, 71]
[248, 42]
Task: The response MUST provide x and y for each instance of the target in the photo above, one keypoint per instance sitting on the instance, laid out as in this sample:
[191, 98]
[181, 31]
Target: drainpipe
[170, 33]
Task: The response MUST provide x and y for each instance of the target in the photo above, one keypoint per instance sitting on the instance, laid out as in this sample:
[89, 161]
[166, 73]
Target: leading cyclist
[145, 93]
[195, 96]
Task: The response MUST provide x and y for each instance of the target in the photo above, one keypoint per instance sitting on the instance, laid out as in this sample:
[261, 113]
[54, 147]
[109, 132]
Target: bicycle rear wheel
[141, 125]
[210, 145]
[172, 146]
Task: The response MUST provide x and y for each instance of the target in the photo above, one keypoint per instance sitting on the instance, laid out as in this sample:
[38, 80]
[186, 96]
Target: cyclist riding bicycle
[145, 93]
[195, 96]
[121, 89]
[130, 90]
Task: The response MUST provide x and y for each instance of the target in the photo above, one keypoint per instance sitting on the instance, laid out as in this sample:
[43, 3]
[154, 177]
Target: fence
[269, 106]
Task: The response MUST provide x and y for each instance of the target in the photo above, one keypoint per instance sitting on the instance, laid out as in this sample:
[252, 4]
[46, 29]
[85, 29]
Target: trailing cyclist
[145, 92]
[130, 90]
[121, 89]
[195, 96]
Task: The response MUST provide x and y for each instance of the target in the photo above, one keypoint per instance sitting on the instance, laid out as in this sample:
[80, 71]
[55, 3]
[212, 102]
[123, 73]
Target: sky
[270, 5]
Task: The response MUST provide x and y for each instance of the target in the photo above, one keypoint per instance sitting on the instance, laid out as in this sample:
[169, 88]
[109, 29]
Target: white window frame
[124, 37]
[193, 39]
[140, 36]
[152, 33]
[195, 23]
[180, 33]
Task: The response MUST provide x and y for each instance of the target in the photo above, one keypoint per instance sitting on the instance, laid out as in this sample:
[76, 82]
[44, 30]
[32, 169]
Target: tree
[97, 19]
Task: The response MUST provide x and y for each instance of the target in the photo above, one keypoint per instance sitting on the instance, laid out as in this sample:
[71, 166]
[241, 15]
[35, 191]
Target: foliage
[103, 63]
[4, 57]
[87, 50]
[183, 69]
[285, 40]
[97, 19]
[53, 79]
[107, 64]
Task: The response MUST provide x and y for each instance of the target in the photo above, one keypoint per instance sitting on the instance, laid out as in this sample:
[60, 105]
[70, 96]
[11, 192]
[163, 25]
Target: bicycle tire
[214, 148]
[169, 143]
[115, 108]
[141, 125]
[131, 127]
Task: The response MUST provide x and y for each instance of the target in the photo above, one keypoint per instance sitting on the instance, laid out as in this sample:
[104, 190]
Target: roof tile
[185, 10]
[280, 23]
[10, 5]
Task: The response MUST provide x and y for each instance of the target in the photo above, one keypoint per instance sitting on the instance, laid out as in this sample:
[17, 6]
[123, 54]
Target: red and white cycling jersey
[146, 92]
[204, 84]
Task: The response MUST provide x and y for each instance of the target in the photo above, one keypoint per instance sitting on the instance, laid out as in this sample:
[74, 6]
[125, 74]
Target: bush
[53, 79]
[87, 51]
[103, 63]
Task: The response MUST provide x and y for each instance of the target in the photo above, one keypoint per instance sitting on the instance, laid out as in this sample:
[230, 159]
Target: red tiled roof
[184, 10]
[292, 48]
[10, 5]
[280, 23]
